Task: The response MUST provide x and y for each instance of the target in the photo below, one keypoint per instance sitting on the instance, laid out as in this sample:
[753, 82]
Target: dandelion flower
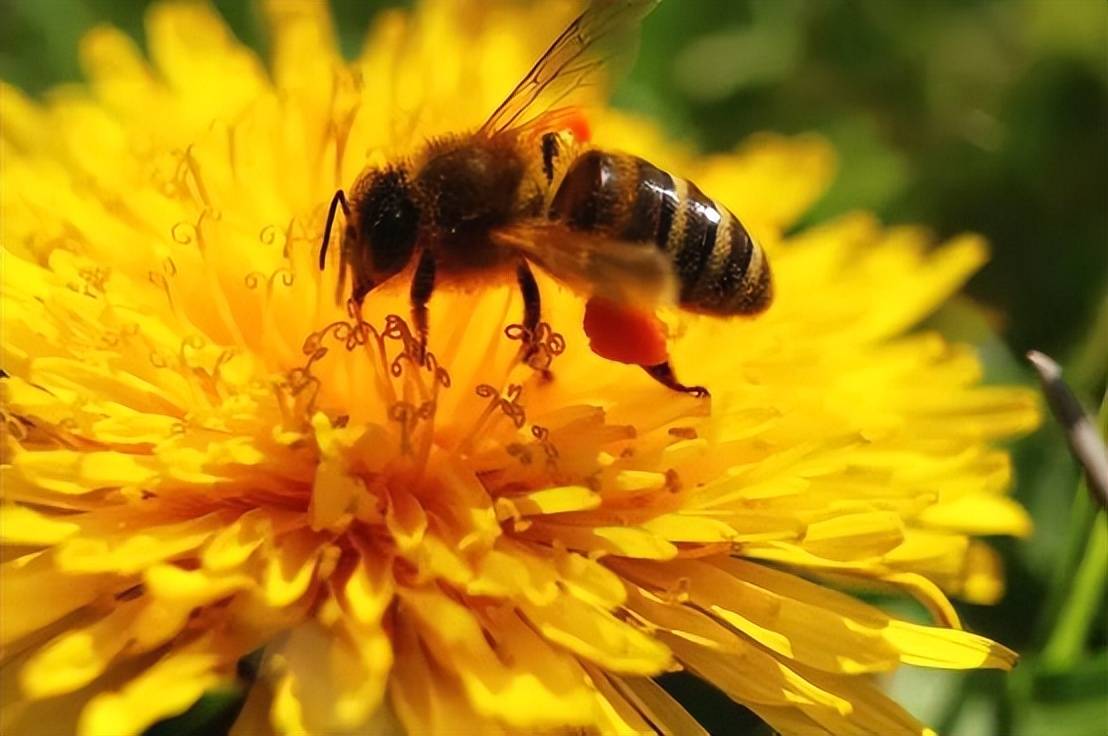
[204, 456]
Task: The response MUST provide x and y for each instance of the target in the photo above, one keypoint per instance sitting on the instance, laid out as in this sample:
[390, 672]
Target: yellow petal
[165, 689]
[755, 677]
[929, 646]
[843, 638]
[622, 541]
[232, 545]
[597, 635]
[22, 525]
[922, 645]
[77, 657]
[854, 536]
[616, 713]
[197, 54]
[425, 699]
[871, 710]
[23, 119]
[660, 707]
[541, 688]
[802, 167]
[685, 527]
[116, 68]
[171, 597]
[67, 471]
[128, 553]
[333, 492]
[45, 594]
[369, 591]
[983, 576]
[930, 595]
[334, 679]
[979, 514]
[502, 574]
[590, 581]
[547, 501]
[290, 567]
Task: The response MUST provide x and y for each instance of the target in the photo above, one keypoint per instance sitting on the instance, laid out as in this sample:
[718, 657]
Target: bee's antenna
[338, 199]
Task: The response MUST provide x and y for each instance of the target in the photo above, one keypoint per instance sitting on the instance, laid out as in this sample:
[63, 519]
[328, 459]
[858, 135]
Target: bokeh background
[983, 115]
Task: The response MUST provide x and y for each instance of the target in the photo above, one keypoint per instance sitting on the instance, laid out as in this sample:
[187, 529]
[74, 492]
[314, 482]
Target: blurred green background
[983, 115]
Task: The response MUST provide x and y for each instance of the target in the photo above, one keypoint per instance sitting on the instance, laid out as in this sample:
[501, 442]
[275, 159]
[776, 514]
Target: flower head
[205, 456]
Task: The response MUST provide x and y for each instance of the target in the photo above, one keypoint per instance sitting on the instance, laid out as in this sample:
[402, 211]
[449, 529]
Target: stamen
[520, 452]
[232, 148]
[341, 118]
[413, 406]
[524, 453]
[538, 349]
[95, 278]
[286, 276]
[161, 280]
[268, 234]
[542, 434]
[209, 377]
[508, 405]
[286, 249]
[179, 233]
[193, 168]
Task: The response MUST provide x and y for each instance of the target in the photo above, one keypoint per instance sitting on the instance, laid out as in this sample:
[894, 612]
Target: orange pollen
[624, 334]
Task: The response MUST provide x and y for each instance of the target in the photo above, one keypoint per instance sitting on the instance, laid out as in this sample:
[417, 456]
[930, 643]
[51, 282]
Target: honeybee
[526, 189]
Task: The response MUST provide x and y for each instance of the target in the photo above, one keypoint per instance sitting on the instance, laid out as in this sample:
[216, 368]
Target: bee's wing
[636, 274]
[604, 34]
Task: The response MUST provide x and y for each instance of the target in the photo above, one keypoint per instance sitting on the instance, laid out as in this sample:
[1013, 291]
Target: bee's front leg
[423, 285]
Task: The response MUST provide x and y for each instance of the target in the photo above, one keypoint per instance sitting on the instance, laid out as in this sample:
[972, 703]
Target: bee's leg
[361, 289]
[423, 284]
[663, 374]
[532, 309]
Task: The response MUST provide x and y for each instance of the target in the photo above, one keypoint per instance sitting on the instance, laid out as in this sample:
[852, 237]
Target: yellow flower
[204, 455]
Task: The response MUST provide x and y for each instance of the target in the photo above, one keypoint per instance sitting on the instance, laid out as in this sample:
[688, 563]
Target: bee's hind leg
[423, 285]
[631, 335]
[663, 374]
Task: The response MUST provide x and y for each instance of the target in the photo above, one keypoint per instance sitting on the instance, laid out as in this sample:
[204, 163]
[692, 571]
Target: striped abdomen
[721, 270]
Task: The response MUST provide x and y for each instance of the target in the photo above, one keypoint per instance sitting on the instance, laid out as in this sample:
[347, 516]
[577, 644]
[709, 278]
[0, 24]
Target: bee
[526, 189]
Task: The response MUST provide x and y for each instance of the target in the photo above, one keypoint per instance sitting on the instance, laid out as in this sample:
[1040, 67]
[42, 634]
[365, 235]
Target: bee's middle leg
[532, 310]
[423, 285]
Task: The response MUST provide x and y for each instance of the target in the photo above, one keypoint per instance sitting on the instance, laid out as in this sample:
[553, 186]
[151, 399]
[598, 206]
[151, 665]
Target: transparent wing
[604, 36]
[637, 274]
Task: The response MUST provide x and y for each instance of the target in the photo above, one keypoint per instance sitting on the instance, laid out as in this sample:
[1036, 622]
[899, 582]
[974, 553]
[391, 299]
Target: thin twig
[1084, 441]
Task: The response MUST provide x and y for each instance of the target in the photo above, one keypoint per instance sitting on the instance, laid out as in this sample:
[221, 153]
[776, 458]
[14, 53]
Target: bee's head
[387, 220]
